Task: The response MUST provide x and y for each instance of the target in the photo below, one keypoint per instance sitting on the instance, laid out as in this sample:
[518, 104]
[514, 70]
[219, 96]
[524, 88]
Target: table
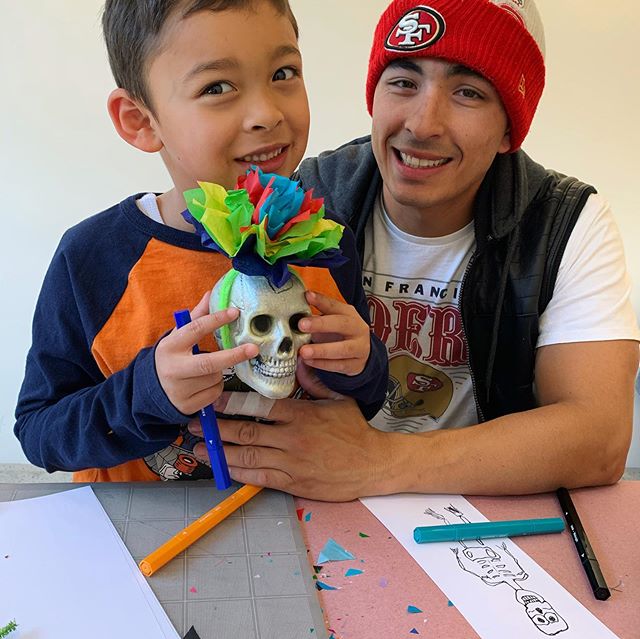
[374, 603]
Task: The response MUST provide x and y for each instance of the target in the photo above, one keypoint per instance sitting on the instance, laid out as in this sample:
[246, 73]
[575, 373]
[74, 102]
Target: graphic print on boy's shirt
[418, 319]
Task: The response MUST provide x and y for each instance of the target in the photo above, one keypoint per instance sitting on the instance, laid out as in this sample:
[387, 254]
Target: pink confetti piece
[384, 582]
[193, 589]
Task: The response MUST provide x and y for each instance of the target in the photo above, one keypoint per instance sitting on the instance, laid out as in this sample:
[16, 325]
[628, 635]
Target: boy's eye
[285, 73]
[217, 88]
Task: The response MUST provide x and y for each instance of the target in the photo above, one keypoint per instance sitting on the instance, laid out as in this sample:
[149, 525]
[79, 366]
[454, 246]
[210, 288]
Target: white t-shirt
[148, 204]
[413, 286]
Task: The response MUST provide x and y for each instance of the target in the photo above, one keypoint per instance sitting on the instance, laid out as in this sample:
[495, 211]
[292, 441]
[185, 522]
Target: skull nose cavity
[286, 346]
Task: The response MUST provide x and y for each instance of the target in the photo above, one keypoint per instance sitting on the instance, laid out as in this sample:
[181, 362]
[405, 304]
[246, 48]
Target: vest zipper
[466, 341]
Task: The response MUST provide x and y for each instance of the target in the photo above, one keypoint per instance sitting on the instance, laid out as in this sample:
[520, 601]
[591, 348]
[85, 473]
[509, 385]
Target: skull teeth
[272, 367]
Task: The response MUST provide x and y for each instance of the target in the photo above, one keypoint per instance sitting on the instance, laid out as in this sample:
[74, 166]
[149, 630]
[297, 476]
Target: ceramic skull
[269, 318]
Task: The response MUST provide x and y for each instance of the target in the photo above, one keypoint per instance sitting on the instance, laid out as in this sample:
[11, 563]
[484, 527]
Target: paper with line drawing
[498, 588]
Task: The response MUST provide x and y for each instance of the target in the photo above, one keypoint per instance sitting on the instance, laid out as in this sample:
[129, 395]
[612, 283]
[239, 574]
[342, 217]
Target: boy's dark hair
[132, 32]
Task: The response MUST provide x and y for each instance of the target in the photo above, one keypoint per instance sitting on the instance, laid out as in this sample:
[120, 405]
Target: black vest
[524, 215]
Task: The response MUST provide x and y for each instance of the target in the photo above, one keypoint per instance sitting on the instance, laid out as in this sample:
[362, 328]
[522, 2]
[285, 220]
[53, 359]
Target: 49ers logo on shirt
[417, 29]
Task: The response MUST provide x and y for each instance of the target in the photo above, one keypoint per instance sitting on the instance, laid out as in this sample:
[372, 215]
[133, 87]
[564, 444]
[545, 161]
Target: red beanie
[502, 40]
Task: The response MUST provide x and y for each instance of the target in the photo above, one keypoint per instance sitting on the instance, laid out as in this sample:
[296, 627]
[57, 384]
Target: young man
[498, 287]
[213, 86]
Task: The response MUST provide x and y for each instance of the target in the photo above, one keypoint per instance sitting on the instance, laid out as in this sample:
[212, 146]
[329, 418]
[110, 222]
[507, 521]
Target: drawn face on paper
[541, 613]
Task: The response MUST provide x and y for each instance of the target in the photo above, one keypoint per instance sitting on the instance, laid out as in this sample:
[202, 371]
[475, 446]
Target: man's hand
[317, 449]
[192, 382]
[341, 337]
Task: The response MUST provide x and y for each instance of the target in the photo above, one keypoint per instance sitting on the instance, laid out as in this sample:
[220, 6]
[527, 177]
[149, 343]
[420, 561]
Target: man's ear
[505, 145]
[133, 122]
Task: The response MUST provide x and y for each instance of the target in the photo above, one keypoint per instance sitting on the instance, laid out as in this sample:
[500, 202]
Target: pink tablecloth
[373, 605]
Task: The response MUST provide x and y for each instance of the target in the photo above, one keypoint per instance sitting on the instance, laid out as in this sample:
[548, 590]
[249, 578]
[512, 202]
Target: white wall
[60, 160]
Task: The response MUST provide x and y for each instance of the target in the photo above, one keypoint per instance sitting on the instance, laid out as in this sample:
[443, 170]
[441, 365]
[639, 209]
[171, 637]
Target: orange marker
[189, 535]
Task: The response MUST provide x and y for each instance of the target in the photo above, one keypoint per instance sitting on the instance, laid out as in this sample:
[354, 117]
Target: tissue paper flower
[265, 224]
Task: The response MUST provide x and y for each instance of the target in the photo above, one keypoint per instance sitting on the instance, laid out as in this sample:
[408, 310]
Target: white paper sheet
[497, 587]
[65, 573]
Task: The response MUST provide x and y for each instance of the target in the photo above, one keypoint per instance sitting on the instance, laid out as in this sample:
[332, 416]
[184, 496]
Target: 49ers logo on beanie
[417, 29]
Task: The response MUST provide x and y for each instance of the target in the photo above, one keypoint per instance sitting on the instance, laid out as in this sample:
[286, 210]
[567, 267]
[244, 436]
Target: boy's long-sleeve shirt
[91, 399]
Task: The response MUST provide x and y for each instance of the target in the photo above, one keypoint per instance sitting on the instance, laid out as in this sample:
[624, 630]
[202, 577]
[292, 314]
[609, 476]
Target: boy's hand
[190, 381]
[341, 337]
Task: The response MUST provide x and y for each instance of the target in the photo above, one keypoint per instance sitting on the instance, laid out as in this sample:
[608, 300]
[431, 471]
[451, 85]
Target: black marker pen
[585, 551]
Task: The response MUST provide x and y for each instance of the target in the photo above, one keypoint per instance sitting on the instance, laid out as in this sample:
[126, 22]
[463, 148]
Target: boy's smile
[227, 92]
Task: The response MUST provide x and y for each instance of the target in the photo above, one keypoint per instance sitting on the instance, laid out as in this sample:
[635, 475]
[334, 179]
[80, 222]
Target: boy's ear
[133, 122]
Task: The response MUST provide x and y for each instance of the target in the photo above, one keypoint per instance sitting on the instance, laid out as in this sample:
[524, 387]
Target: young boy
[214, 87]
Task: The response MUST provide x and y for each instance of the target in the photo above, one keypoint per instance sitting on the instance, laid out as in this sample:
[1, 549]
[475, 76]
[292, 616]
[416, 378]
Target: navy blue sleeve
[369, 388]
[69, 417]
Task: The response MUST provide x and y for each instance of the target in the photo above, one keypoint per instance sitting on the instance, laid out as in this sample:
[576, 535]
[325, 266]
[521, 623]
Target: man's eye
[217, 88]
[285, 73]
[403, 84]
[472, 94]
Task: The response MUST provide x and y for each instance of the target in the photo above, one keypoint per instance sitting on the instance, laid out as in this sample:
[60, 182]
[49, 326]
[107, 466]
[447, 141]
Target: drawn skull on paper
[541, 612]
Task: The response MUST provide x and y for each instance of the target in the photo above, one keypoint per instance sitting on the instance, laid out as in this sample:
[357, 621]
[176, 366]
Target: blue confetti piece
[413, 610]
[307, 517]
[333, 551]
[352, 572]
[450, 603]
[413, 631]
[320, 585]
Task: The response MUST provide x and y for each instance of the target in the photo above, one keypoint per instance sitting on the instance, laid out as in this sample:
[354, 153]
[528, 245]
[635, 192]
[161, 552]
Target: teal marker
[488, 529]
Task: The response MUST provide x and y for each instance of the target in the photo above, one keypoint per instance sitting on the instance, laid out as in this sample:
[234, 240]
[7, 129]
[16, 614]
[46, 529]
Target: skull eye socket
[293, 322]
[261, 324]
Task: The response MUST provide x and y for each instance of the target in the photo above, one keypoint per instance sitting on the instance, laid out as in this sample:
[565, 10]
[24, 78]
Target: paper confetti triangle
[320, 585]
[352, 572]
[413, 610]
[450, 603]
[307, 517]
[317, 569]
[299, 512]
[333, 551]
[193, 589]
[192, 634]
[362, 534]
[413, 631]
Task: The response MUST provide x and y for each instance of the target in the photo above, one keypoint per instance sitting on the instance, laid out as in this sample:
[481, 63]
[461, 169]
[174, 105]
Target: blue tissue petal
[333, 551]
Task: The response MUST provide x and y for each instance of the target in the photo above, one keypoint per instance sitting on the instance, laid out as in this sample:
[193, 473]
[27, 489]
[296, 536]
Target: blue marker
[209, 425]
[488, 529]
